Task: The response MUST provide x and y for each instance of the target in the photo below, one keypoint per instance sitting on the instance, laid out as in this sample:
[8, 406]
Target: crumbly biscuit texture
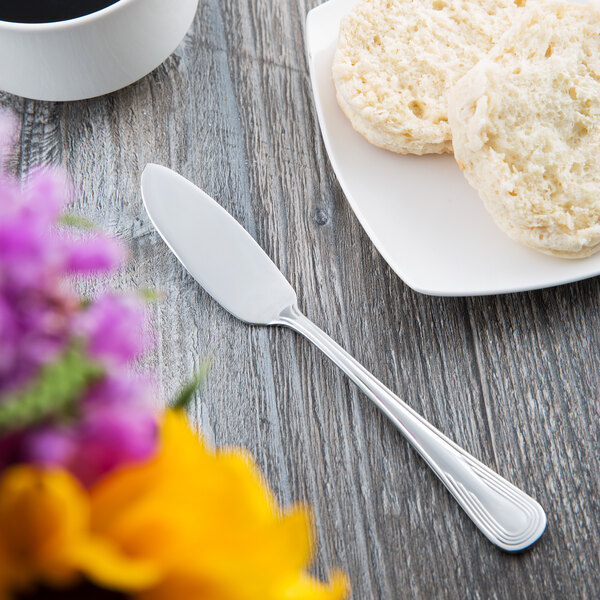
[397, 59]
[526, 129]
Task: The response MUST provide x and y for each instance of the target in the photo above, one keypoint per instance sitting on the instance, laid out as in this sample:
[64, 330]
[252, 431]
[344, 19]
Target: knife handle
[507, 516]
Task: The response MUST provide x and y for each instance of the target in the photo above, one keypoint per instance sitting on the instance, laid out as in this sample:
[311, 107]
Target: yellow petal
[43, 514]
[241, 486]
[45, 536]
[307, 588]
[180, 459]
[209, 522]
[107, 567]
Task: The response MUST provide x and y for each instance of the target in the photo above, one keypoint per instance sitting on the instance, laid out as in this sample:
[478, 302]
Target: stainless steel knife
[226, 261]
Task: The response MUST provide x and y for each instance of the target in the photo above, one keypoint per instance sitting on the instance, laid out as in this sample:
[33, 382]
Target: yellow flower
[45, 534]
[188, 524]
[209, 523]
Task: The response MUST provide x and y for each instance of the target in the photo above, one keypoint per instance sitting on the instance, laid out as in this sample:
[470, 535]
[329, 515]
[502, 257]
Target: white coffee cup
[91, 55]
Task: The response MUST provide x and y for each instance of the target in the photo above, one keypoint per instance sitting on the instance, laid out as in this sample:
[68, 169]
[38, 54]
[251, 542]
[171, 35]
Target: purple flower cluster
[40, 316]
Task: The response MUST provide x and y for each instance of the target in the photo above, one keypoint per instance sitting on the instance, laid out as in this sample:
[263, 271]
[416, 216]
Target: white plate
[419, 211]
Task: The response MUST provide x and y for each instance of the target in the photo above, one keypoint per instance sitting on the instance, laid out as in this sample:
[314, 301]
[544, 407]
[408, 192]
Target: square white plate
[419, 211]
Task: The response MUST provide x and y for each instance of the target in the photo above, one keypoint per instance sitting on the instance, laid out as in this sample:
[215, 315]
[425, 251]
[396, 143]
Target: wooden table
[514, 379]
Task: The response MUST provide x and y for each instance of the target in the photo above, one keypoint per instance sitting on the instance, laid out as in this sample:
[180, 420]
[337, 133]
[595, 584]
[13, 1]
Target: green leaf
[151, 295]
[54, 392]
[77, 222]
[187, 393]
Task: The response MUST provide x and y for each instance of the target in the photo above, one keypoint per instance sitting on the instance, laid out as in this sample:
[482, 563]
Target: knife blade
[214, 248]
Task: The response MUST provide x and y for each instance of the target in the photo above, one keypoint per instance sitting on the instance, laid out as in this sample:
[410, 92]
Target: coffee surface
[48, 11]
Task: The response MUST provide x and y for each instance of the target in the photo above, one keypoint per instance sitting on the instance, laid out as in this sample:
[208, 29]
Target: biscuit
[526, 129]
[397, 59]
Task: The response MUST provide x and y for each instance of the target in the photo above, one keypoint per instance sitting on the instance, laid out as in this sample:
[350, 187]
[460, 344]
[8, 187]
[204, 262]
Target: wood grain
[514, 379]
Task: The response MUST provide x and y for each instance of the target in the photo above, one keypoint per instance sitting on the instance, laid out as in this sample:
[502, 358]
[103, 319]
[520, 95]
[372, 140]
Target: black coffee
[48, 11]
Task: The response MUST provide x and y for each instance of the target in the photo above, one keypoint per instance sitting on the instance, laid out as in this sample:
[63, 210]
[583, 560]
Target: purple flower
[112, 436]
[40, 316]
[50, 446]
[95, 254]
[114, 328]
[36, 304]
[116, 426]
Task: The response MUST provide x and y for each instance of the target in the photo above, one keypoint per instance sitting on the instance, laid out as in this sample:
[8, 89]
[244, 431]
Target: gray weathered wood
[514, 379]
